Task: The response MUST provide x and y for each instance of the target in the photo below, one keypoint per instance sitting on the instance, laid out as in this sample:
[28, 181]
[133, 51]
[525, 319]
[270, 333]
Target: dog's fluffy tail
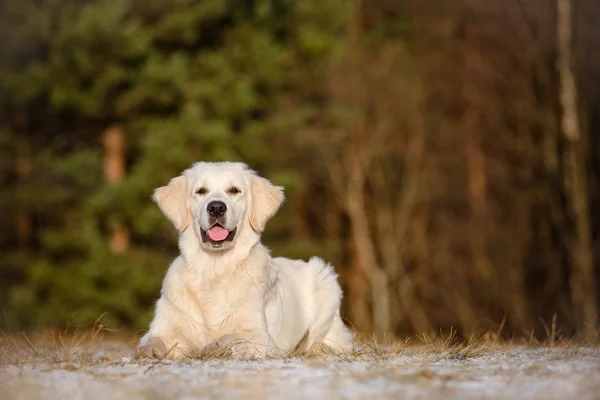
[326, 283]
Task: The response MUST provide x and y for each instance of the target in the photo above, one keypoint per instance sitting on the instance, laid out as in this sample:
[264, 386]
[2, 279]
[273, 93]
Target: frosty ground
[109, 371]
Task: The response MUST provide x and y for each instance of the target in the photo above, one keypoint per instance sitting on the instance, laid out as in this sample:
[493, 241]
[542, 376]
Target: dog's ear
[266, 200]
[173, 201]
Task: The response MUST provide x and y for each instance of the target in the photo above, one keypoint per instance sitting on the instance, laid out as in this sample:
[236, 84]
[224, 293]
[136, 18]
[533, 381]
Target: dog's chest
[224, 306]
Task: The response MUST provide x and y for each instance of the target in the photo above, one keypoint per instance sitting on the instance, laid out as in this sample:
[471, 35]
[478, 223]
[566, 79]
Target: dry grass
[98, 345]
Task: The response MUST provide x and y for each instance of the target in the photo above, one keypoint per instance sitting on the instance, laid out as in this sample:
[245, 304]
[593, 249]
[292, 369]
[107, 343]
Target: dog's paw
[216, 350]
[154, 348]
[233, 346]
[245, 350]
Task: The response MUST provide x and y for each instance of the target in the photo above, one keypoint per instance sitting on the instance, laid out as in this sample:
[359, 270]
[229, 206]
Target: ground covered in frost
[111, 372]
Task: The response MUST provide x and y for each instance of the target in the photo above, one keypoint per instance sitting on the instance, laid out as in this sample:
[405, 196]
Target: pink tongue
[217, 233]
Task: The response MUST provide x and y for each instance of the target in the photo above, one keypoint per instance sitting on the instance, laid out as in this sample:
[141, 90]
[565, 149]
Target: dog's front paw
[154, 348]
[216, 350]
[234, 346]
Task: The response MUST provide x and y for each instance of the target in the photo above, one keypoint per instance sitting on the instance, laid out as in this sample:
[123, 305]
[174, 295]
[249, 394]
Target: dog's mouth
[217, 234]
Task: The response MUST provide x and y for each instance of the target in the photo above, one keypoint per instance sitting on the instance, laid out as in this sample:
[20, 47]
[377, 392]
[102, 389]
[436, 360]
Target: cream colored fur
[235, 297]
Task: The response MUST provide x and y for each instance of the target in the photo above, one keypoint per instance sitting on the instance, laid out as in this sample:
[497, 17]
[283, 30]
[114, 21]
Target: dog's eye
[234, 190]
[202, 190]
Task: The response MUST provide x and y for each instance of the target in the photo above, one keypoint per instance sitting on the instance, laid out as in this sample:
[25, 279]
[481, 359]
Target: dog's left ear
[173, 201]
[266, 200]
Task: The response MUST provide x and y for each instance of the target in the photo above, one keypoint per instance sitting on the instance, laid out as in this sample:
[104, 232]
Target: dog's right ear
[173, 201]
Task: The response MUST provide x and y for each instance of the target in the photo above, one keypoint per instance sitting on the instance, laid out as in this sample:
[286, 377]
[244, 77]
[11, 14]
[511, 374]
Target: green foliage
[187, 81]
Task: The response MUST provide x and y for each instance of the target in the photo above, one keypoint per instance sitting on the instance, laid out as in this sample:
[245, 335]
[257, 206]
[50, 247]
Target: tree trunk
[114, 172]
[473, 80]
[365, 251]
[357, 296]
[24, 224]
[582, 267]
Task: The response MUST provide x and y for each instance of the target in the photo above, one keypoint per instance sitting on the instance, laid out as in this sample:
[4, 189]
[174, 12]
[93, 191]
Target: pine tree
[202, 80]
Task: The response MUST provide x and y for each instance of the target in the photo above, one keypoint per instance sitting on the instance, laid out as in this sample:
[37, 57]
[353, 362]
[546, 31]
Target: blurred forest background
[444, 155]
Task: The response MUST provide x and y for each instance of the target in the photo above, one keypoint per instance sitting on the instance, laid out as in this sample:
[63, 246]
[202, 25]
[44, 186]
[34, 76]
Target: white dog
[225, 291]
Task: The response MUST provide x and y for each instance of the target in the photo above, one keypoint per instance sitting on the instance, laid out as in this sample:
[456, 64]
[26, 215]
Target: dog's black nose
[216, 208]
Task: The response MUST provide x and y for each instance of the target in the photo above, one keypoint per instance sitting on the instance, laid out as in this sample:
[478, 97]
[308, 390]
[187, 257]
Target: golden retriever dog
[225, 293]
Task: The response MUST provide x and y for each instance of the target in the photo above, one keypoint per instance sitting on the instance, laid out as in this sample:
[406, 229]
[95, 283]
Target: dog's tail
[325, 279]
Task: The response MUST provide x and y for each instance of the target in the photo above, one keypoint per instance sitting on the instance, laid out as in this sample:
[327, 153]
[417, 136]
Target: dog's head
[219, 201]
